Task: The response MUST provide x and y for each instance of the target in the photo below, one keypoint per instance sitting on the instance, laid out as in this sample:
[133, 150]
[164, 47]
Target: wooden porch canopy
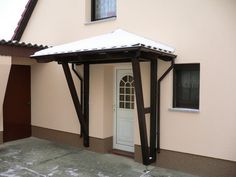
[116, 47]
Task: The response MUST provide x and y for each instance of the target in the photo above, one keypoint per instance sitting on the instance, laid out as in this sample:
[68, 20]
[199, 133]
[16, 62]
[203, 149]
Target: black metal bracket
[159, 101]
[83, 117]
[148, 154]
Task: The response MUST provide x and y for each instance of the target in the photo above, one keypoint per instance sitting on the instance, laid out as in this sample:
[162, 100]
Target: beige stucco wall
[201, 31]
[5, 66]
[108, 100]
[52, 105]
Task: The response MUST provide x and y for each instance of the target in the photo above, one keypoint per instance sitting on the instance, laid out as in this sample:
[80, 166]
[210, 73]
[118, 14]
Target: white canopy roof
[116, 39]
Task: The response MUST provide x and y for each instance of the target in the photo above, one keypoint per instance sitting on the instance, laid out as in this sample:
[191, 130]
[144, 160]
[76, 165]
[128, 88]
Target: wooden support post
[86, 98]
[140, 109]
[81, 91]
[76, 101]
[153, 115]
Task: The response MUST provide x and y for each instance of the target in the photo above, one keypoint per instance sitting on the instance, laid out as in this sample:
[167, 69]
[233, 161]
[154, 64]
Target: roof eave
[25, 17]
[14, 48]
[94, 56]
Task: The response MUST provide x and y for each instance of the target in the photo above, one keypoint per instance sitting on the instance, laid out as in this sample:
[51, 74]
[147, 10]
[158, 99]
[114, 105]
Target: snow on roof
[116, 39]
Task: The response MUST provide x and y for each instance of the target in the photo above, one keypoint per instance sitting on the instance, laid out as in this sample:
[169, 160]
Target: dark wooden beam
[82, 56]
[24, 20]
[112, 55]
[124, 60]
[140, 109]
[76, 101]
[153, 116]
[86, 98]
[81, 91]
[147, 110]
[100, 57]
[17, 51]
[81, 84]
[161, 54]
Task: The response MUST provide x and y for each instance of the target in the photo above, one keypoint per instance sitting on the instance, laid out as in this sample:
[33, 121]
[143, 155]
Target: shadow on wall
[5, 66]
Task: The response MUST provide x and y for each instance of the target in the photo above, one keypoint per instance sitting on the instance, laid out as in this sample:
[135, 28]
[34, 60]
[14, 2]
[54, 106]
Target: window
[186, 86]
[126, 92]
[102, 9]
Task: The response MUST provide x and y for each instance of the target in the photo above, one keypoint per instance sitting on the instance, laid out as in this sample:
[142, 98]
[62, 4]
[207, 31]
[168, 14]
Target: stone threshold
[123, 153]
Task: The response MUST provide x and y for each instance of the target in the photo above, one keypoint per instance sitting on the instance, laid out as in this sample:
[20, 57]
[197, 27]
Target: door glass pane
[127, 90]
[122, 83]
[126, 95]
[122, 98]
[128, 84]
[127, 105]
[122, 90]
[132, 97]
[122, 104]
[127, 98]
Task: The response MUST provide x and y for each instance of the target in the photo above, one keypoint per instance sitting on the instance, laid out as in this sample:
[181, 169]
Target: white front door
[124, 106]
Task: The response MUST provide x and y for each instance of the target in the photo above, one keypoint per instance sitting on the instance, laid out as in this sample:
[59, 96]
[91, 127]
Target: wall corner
[1, 137]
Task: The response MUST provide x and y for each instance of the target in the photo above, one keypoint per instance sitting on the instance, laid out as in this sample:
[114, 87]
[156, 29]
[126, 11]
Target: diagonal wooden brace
[76, 102]
[140, 110]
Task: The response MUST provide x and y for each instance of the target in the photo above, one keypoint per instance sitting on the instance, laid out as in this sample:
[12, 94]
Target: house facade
[197, 100]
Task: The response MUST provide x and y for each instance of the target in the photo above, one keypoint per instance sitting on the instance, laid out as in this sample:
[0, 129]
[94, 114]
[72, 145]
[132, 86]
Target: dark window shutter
[186, 86]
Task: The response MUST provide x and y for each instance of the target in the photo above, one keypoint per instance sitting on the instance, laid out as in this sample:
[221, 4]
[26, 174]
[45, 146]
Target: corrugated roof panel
[117, 39]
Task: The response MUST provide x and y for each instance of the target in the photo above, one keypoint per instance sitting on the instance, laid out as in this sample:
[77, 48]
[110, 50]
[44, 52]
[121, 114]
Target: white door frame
[115, 145]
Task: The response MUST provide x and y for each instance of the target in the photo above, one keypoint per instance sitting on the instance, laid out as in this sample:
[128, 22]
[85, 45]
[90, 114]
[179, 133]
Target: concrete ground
[34, 157]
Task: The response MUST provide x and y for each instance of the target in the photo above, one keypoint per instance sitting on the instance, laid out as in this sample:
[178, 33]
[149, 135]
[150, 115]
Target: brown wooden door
[16, 106]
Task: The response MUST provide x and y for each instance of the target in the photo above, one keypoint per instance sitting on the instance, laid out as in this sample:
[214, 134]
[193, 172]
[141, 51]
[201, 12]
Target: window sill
[184, 110]
[100, 21]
